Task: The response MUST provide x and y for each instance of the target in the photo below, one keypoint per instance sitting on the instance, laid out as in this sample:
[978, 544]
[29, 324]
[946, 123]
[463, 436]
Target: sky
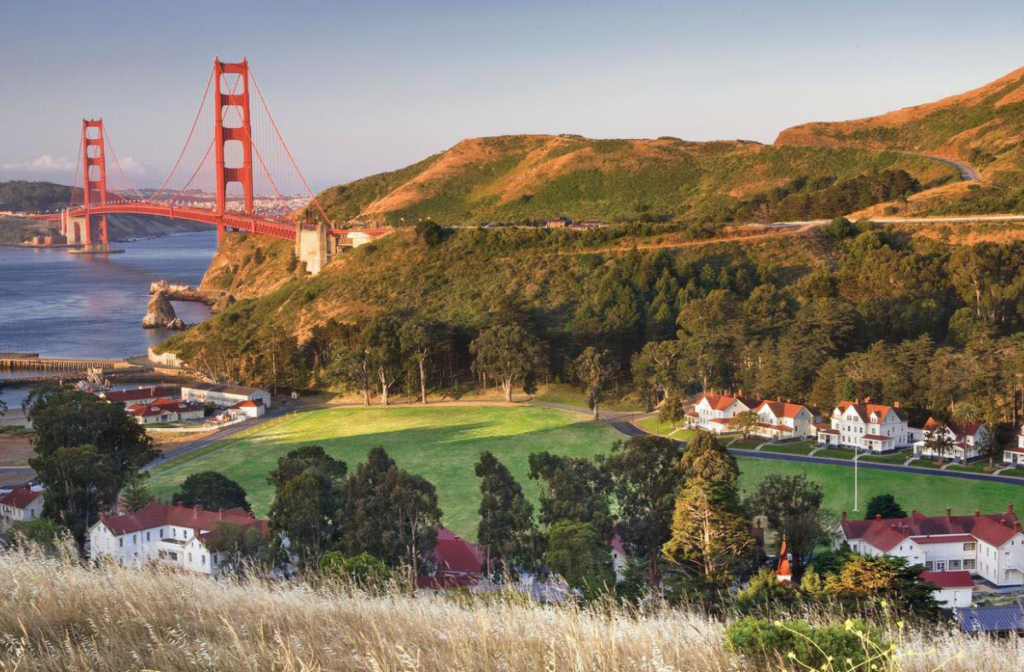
[360, 88]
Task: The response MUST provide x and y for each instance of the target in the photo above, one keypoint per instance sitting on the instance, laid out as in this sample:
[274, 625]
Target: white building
[955, 590]
[250, 408]
[866, 426]
[175, 536]
[784, 420]
[1015, 456]
[139, 395]
[966, 439]
[21, 504]
[224, 396]
[166, 410]
[715, 412]
[988, 546]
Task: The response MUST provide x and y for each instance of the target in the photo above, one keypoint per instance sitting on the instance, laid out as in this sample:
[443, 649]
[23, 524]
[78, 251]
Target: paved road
[967, 173]
[629, 429]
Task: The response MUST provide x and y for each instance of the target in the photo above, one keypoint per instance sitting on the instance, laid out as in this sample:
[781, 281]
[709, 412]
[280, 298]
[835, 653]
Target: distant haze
[358, 88]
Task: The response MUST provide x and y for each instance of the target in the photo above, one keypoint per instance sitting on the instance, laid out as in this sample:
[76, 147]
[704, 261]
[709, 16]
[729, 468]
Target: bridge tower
[238, 101]
[94, 176]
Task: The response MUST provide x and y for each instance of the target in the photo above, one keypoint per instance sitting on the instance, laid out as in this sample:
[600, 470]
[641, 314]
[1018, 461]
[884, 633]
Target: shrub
[768, 644]
[363, 570]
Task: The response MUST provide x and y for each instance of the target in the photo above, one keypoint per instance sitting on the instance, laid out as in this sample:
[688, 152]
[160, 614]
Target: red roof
[865, 410]
[21, 497]
[781, 428]
[123, 396]
[782, 409]
[957, 579]
[994, 529]
[945, 539]
[877, 437]
[961, 430]
[156, 515]
[249, 403]
[720, 402]
[453, 554]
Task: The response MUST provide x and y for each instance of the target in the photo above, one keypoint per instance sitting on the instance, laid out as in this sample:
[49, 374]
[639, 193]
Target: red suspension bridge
[235, 174]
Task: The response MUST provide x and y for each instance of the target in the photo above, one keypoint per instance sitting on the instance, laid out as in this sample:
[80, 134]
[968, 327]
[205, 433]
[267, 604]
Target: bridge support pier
[315, 247]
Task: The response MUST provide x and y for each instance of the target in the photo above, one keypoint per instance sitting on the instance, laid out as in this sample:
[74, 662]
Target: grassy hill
[529, 177]
[982, 127]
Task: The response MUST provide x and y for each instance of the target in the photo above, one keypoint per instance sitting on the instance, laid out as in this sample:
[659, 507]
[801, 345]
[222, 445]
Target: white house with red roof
[866, 426]
[966, 438]
[139, 396]
[1015, 456]
[784, 420]
[715, 412]
[250, 408]
[21, 504]
[166, 410]
[990, 546]
[175, 536]
[955, 589]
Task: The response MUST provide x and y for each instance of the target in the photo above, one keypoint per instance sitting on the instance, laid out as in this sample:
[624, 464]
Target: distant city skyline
[360, 89]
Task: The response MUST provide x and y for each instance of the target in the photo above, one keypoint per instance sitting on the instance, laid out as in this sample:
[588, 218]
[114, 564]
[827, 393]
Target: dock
[26, 361]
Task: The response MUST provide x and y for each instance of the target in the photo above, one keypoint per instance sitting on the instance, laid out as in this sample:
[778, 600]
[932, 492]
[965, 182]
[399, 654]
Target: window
[190, 557]
[954, 565]
[929, 565]
[147, 532]
[135, 537]
[969, 564]
[120, 542]
[202, 558]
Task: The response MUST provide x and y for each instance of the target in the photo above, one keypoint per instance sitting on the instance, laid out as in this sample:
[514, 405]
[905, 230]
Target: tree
[352, 366]
[573, 489]
[594, 370]
[40, 533]
[745, 423]
[506, 517]
[241, 544]
[645, 475]
[840, 228]
[507, 353]
[579, 554]
[884, 505]
[710, 531]
[791, 505]
[136, 495]
[430, 232]
[863, 580]
[63, 418]
[384, 350]
[304, 511]
[363, 570]
[308, 492]
[766, 595]
[418, 339]
[390, 513]
[990, 446]
[211, 490]
[938, 441]
[80, 483]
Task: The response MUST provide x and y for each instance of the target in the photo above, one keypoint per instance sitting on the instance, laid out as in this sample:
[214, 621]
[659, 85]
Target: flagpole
[856, 474]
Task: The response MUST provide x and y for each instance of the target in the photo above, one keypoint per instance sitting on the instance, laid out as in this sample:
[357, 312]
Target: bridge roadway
[249, 223]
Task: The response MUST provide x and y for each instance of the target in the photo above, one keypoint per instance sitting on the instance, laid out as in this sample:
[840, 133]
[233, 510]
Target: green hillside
[530, 177]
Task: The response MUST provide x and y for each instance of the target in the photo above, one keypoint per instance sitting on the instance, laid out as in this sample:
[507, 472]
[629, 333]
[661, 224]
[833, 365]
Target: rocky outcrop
[176, 292]
[226, 299]
[160, 314]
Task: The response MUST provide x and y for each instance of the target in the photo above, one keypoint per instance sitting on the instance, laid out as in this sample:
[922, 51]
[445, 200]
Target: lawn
[835, 453]
[895, 458]
[747, 444]
[440, 443]
[924, 492]
[655, 426]
[798, 448]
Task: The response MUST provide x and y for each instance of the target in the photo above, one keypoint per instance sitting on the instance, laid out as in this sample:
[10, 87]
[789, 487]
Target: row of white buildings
[866, 426]
[158, 404]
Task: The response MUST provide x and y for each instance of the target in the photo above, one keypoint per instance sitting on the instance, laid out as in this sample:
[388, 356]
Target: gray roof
[1007, 618]
[226, 389]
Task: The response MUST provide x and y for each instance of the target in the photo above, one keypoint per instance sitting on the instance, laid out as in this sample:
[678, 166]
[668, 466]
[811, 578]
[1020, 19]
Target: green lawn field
[441, 443]
[926, 493]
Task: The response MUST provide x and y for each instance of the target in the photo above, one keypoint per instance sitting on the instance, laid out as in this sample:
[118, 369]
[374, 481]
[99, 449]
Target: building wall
[11, 514]
[954, 598]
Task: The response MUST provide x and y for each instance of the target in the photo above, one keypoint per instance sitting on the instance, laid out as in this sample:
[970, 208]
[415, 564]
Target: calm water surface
[66, 305]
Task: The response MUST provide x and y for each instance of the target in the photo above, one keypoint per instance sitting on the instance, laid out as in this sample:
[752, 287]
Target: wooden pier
[23, 361]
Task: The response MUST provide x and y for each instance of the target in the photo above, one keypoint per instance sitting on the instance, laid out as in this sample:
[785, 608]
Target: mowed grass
[924, 492]
[440, 443]
[653, 425]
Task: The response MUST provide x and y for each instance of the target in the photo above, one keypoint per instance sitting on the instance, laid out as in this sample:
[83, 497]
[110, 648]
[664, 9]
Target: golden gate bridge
[241, 158]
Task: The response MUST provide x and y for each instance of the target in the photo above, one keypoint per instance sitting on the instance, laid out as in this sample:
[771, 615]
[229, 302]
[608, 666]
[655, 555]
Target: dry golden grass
[58, 615]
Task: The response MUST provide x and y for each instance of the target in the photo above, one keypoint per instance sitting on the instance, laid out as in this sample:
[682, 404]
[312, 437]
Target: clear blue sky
[358, 88]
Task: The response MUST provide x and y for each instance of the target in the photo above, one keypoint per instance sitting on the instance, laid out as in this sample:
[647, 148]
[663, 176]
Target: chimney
[977, 513]
[739, 392]
[1009, 508]
[892, 526]
[1002, 521]
[913, 513]
[867, 400]
[895, 404]
[844, 516]
[949, 515]
[878, 516]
